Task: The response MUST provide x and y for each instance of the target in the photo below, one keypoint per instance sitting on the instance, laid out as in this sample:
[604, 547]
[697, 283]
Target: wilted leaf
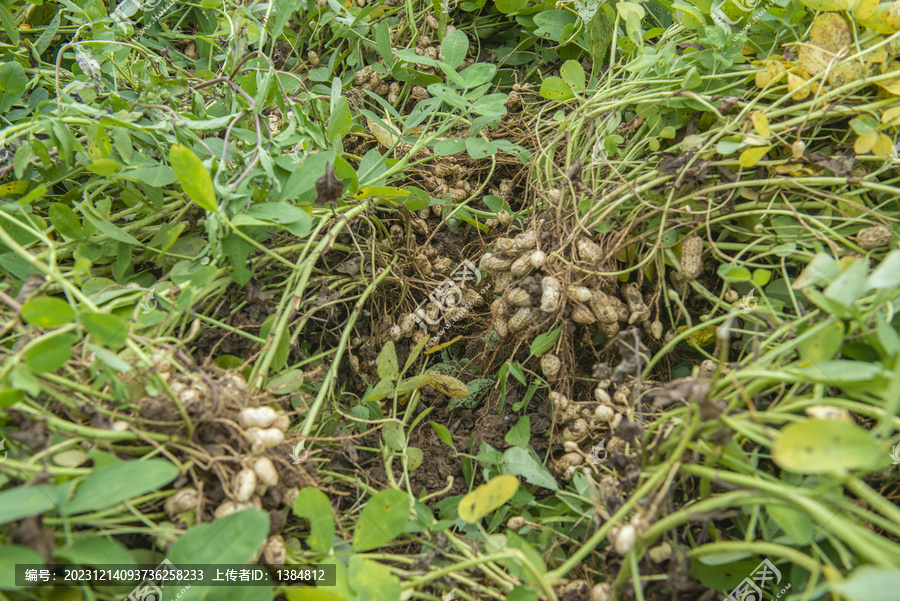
[447, 385]
[328, 187]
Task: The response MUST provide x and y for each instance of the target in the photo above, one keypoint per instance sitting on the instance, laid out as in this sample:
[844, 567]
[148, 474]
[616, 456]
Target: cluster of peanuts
[264, 430]
[584, 423]
[448, 177]
[368, 79]
[534, 294]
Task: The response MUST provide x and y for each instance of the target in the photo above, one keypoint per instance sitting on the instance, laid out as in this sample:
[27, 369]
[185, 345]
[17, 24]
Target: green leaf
[444, 434]
[107, 228]
[479, 149]
[821, 271]
[96, 551]
[520, 434]
[109, 485]
[393, 435]
[193, 177]
[415, 456]
[51, 353]
[46, 312]
[478, 73]
[870, 583]
[382, 520]
[66, 221]
[25, 501]
[388, 368]
[573, 74]
[10, 396]
[887, 274]
[454, 48]
[449, 146]
[413, 383]
[733, 274]
[157, 176]
[543, 343]
[372, 581]
[510, 6]
[47, 36]
[521, 462]
[313, 504]
[824, 345]
[516, 370]
[554, 88]
[105, 329]
[104, 167]
[381, 390]
[9, 26]
[761, 277]
[795, 524]
[825, 446]
[10, 555]
[234, 539]
[849, 285]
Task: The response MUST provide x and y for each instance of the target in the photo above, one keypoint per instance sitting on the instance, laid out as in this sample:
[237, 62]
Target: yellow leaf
[760, 123]
[884, 19]
[883, 146]
[773, 72]
[487, 497]
[795, 85]
[865, 9]
[447, 385]
[848, 5]
[890, 85]
[891, 116]
[794, 169]
[701, 338]
[821, 4]
[865, 142]
[828, 37]
[876, 56]
[752, 156]
[442, 345]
